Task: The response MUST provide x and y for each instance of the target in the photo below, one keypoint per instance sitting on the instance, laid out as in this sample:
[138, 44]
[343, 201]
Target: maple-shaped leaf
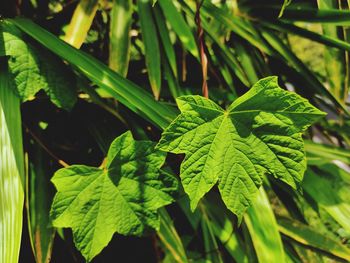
[123, 197]
[260, 132]
[33, 68]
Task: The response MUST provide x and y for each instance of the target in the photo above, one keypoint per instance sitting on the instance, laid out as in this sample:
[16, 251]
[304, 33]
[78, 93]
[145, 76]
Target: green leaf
[34, 69]
[128, 93]
[260, 132]
[123, 197]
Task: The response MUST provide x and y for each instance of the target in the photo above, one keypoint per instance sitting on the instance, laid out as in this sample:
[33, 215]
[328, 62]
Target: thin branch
[201, 45]
[42, 145]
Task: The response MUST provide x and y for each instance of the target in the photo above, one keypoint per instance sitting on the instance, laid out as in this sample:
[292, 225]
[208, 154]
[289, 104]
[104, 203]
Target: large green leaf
[123, 197]
[259, 132]
[34, 69]
[11, 170]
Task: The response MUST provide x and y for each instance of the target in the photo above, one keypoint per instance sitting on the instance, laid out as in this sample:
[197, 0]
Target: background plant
[157, 51]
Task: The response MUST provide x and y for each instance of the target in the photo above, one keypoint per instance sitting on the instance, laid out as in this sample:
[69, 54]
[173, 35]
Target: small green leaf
[34, 69]
[259, 133]
[123, 197]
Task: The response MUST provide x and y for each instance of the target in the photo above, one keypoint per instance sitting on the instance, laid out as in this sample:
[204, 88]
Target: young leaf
[33, 69]
[123, 197]
[260, 132]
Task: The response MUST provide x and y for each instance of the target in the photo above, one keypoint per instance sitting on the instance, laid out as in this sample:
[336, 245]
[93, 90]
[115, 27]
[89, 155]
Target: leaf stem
[42, 145]
[201, 45]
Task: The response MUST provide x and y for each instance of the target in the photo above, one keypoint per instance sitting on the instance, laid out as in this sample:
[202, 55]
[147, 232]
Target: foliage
[115, 70]
[259, 133]
[122, 197]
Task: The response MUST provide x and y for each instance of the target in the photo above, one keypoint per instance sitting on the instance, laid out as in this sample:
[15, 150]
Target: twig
[37, 139]
[201, 44]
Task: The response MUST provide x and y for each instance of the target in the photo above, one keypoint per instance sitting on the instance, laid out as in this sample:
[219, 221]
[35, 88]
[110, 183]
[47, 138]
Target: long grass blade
[320, 187]
[180, 27]
[81, 22]
[263, 229]
[164, 36]
[300, 67]
[237, 25]
[227, 55]
[11, 170]
[119, 36]
[150, 40]
[311, 237]
[248, 32]
[212, 253]
[39, 195]
[334, 58]
[322, 152]
[305, 14]
[170, 238]
[323, 39]
[225, 232]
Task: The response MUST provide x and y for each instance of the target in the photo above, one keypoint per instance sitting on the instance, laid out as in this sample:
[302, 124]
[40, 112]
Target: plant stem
[201, 45]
